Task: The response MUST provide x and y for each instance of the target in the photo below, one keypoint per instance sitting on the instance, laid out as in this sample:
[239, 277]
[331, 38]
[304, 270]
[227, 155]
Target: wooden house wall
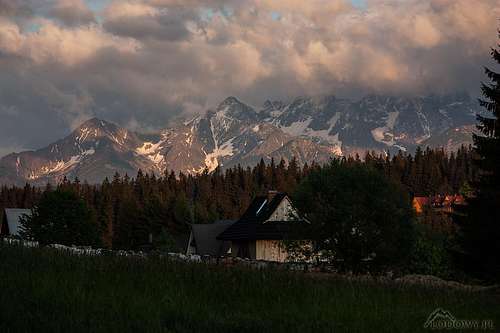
[270, 250]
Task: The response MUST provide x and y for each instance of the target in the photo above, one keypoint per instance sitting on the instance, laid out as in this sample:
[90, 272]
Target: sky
[140, 63]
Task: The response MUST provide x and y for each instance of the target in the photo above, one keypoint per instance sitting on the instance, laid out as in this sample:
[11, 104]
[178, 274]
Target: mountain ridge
[307, 128]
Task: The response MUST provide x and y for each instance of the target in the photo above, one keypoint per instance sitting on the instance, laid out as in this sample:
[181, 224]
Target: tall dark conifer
[480, 219]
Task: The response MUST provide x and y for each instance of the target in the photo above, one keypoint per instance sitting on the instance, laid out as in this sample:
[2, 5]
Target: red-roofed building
[444, 203]
[419, 203]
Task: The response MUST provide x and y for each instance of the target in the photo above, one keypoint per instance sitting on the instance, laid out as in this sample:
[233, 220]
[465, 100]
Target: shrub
[430, 253]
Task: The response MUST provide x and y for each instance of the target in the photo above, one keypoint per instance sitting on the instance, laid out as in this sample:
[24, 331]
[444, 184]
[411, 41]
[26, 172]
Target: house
[258, 234]
[11, 221]
[203, 239]
[419, 203]
[439, 203]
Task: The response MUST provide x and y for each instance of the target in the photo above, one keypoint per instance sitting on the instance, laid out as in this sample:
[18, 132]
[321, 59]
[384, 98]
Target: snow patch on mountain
[190, 136]
[334, 119]
[212, 159]
[88, 152]
[18, 165]
[60, 165]
[119, 140]
[337, 145]
[302, 128]
[152, 151]
[297, 128]
[84, 133]
[384, 134]
[193, 121]
[425, 125]
[222, 120]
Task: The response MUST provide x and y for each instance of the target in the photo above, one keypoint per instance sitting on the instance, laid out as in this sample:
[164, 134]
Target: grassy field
[42, 290]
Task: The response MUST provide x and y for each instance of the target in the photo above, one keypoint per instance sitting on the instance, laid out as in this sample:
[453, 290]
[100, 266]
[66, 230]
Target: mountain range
[307, 128]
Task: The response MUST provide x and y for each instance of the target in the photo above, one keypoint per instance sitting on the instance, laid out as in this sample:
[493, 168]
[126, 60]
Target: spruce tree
[480, 219]
[61, 217]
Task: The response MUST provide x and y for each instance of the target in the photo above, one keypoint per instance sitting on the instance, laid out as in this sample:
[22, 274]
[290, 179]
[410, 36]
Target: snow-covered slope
[374, 122]
[95, 150]
[308, 129]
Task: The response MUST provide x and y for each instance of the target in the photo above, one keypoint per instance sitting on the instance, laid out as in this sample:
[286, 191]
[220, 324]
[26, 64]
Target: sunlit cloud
[142, 62]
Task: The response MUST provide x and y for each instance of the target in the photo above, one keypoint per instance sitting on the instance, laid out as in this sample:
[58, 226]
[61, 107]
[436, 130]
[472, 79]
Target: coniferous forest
[128, 209]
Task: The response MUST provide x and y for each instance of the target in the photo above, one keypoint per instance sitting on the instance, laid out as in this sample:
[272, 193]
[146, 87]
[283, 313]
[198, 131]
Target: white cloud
[55, 44]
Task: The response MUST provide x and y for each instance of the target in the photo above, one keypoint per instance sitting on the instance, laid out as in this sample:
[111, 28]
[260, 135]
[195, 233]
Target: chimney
[271, 194]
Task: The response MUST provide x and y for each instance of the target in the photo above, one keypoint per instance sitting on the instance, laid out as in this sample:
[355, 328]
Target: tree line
[127, 210]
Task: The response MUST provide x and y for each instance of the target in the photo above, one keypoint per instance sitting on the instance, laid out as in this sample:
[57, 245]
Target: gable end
[284, 211]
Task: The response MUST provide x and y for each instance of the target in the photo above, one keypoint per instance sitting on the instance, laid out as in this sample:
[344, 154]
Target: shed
[203, 239]
[11, 221]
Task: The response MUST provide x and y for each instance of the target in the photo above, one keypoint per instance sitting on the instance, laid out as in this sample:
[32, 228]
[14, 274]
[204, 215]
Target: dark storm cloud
[167, 25]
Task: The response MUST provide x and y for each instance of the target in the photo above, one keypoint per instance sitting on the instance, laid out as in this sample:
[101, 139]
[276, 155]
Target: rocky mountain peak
[307, 128]
[95, 123]
[229, 101]
[233, 108]
[96, 129]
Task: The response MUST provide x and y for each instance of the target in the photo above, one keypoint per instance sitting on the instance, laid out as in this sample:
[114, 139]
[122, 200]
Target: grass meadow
[42, 290]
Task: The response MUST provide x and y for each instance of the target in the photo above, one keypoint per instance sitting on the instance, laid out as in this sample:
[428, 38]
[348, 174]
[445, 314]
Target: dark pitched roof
[251, 225]
[423, 201]
[205, 237]
[260, 209]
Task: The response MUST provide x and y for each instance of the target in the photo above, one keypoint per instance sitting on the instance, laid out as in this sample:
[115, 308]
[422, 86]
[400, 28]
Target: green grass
[42, 290]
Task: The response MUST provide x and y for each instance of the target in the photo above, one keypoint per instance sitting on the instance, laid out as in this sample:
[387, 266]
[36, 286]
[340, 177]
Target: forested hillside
[128, 209]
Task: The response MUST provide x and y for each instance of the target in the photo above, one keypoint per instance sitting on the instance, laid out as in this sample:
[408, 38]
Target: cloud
[139, 20]
[6, 150]
[15, 8]
[73, 12]
[142, 62]
[55, 44]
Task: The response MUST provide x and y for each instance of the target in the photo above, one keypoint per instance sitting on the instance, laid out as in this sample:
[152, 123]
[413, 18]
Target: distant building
[258, 234]
[419, 203]
[203, 239]
[442, 203]
[11, 221]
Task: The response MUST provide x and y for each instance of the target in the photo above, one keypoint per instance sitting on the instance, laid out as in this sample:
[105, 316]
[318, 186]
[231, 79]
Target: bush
[430, 253]
[165, 242]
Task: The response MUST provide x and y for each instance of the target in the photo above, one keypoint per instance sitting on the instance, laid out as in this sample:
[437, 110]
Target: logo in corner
[440, 318]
